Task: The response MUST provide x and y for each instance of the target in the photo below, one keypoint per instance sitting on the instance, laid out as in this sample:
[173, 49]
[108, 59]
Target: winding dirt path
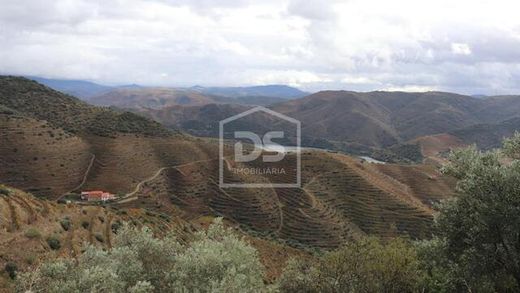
[85, 175]
[129, 196]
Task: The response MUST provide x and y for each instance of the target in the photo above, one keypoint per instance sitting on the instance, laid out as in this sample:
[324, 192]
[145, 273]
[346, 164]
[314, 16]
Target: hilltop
[383, 124]
[34, 100]
[77, 88]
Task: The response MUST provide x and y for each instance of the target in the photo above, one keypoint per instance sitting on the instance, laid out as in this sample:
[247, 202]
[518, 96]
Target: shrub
[65, 223]
[99, 237]
[116, 226]
[85, 224]
[30, 259]
[216, 261]
[32, 233]
[4, 190]
[367, 265]
[11, 268]
[54, 243]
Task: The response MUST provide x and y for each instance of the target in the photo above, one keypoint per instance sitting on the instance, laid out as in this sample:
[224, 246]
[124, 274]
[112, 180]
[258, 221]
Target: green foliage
[32, 233]
[11, 269]
[53, 242]
[65, 223]
[4, 190]
[216, 261]
[511, 146]
[480, 225]
[115, 226]
[30, 258]
[367, 265]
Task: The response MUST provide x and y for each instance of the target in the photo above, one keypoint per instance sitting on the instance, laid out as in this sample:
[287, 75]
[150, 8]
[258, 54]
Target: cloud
[464, 46]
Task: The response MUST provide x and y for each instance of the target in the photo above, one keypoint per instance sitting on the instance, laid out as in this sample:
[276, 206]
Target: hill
[34, 100]
[198, 120]
[158, 98]
[154, 98]
[272, 91]
[376, 123]
[488, 135]
[33, 230]
[79, 88]
[341, 197]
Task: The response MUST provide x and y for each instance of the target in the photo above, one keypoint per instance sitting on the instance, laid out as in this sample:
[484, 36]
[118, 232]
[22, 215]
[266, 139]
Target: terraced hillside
[33, 230]
[433, 147]
[171, 174]
[341, 198]
[52, 143]
[39, 157]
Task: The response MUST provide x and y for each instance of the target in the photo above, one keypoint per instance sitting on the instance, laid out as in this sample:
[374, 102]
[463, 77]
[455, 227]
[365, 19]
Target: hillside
[341, 197]
[27, 224]
[367, 123]
[488, 135]
[154, 98]
[198, 120]
[32, 230]
[36, 101]
[48, 138]
[78, 88]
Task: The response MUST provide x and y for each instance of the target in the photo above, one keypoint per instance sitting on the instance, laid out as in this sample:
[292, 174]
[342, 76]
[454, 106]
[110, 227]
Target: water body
[293, 149]
[371, 160]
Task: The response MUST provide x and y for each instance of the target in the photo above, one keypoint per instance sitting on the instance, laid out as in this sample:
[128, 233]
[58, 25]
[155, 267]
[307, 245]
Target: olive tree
[366, 265]
[481, 225]
[217, 260]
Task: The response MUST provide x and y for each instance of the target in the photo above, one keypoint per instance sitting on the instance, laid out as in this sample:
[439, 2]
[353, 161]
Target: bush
[116, 226]
[216, 261]
[32, 233]
[85, 224]
[11, 268]
[54, 243]
[367, 265]
[30, 259]
[65, 223]
[4, 190]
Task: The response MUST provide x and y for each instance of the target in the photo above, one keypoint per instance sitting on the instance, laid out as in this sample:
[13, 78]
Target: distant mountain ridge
[37, 101]
[77, 88]
[114, 95]
[355, 121]
[276, 91]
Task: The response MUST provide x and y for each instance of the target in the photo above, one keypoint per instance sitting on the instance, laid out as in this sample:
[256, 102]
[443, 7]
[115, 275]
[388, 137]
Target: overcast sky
[465, 46]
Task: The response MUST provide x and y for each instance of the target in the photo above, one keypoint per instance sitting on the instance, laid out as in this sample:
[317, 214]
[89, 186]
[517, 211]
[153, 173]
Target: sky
[464, 46]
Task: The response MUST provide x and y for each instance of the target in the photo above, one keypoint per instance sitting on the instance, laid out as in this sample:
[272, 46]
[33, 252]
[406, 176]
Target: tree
[367, 265]
[216, 261]
[481, 225]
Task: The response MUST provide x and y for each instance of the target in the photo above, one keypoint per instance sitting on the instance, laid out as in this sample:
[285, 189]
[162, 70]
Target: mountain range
[55, 145]
[113, 95]
[366, 122]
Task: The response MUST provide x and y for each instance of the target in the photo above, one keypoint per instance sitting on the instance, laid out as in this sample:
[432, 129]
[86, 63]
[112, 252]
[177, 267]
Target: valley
[54, 146]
